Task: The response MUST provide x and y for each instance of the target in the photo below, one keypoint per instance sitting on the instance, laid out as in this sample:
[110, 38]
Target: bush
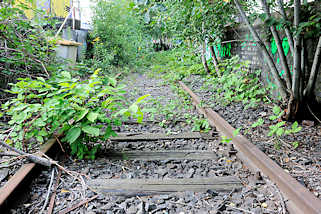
[84, 110]
[117, 34]
[25, 51]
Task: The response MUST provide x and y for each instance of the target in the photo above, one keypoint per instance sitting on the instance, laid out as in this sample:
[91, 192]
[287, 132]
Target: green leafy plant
[237, 84]
[25, 50]
[279, 129]
[83, 110]
[117, 35]
[225, 139]
[201, 125]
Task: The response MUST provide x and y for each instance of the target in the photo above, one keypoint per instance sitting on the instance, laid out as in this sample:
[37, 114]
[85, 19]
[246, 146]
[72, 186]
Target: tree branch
[297, 53]
[33, 158]
[277, 40]
[215, 62]
[267, 56]
[314, 70]
[286, 28]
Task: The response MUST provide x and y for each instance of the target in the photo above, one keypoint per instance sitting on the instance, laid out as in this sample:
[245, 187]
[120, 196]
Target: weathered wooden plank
[159, 136]
[160, 186]
[162, 155]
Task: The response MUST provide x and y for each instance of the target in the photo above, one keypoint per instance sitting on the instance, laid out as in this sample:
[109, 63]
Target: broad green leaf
[279, 132]
[41, 79]
[142, 98]
[72, 135]
[91, 130]
[66, 74]
[121, 112]
[82, 114]
[133, 108]
[276, 110]
[39, 138]
[92, 116]
[42, 132]
[259, 122]
[64, 84]
[112, 81]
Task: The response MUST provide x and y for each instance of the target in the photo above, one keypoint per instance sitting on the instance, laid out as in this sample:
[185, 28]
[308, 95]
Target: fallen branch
[224, 201]
[53, 197]
[313, 114]
[67, 210]
[8, 154]
[49, 190]
[33, 158]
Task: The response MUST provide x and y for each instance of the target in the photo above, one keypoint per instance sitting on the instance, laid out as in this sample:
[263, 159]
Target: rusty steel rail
[19, 176]
[298, 198]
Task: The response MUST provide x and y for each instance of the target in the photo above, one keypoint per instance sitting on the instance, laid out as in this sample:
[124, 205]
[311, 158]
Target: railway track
[149, 169]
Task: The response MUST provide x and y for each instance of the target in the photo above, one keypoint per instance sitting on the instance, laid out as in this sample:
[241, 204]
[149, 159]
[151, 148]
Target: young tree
[296, 91]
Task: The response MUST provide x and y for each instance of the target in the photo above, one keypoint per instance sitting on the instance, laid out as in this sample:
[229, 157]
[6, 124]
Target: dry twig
[67, 210]
[52, 199]
[49, 190]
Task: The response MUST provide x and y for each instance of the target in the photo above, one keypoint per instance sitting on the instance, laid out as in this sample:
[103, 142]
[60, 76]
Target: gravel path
[258, 195]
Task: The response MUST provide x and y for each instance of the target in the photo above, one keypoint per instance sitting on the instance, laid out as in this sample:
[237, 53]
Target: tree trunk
[215, 62]
[314, 70]
[276, 37]
[286, 29]
[204, 59]
[297, 54]
[267, 56]
[303, 65]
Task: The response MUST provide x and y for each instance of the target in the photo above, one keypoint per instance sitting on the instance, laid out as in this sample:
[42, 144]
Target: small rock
[141, 208]
[3, 173]
[260, 198]
[123, 205]
[257, 210]
[149, 207]
[162, 206]
[264, 205]
[271, 205]
[307, 123]
[191, 172]
[131, 210]
[212, 193]
[162, 172]
[164, 197]
[107, 206]
[172, 166]
[249, 201]
[237, 166]
[85, 170]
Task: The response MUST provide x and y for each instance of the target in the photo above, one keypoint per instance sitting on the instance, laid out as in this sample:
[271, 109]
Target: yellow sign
[57, 8]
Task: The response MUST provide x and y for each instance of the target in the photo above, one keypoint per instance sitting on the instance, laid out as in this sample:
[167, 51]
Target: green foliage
[84, 110]
[225, 139]
[176, 64]
[24, 48]
[259, 122]
[117, 35]
[237, 84]
[186, 20]
[279, 128]
[201, 125]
